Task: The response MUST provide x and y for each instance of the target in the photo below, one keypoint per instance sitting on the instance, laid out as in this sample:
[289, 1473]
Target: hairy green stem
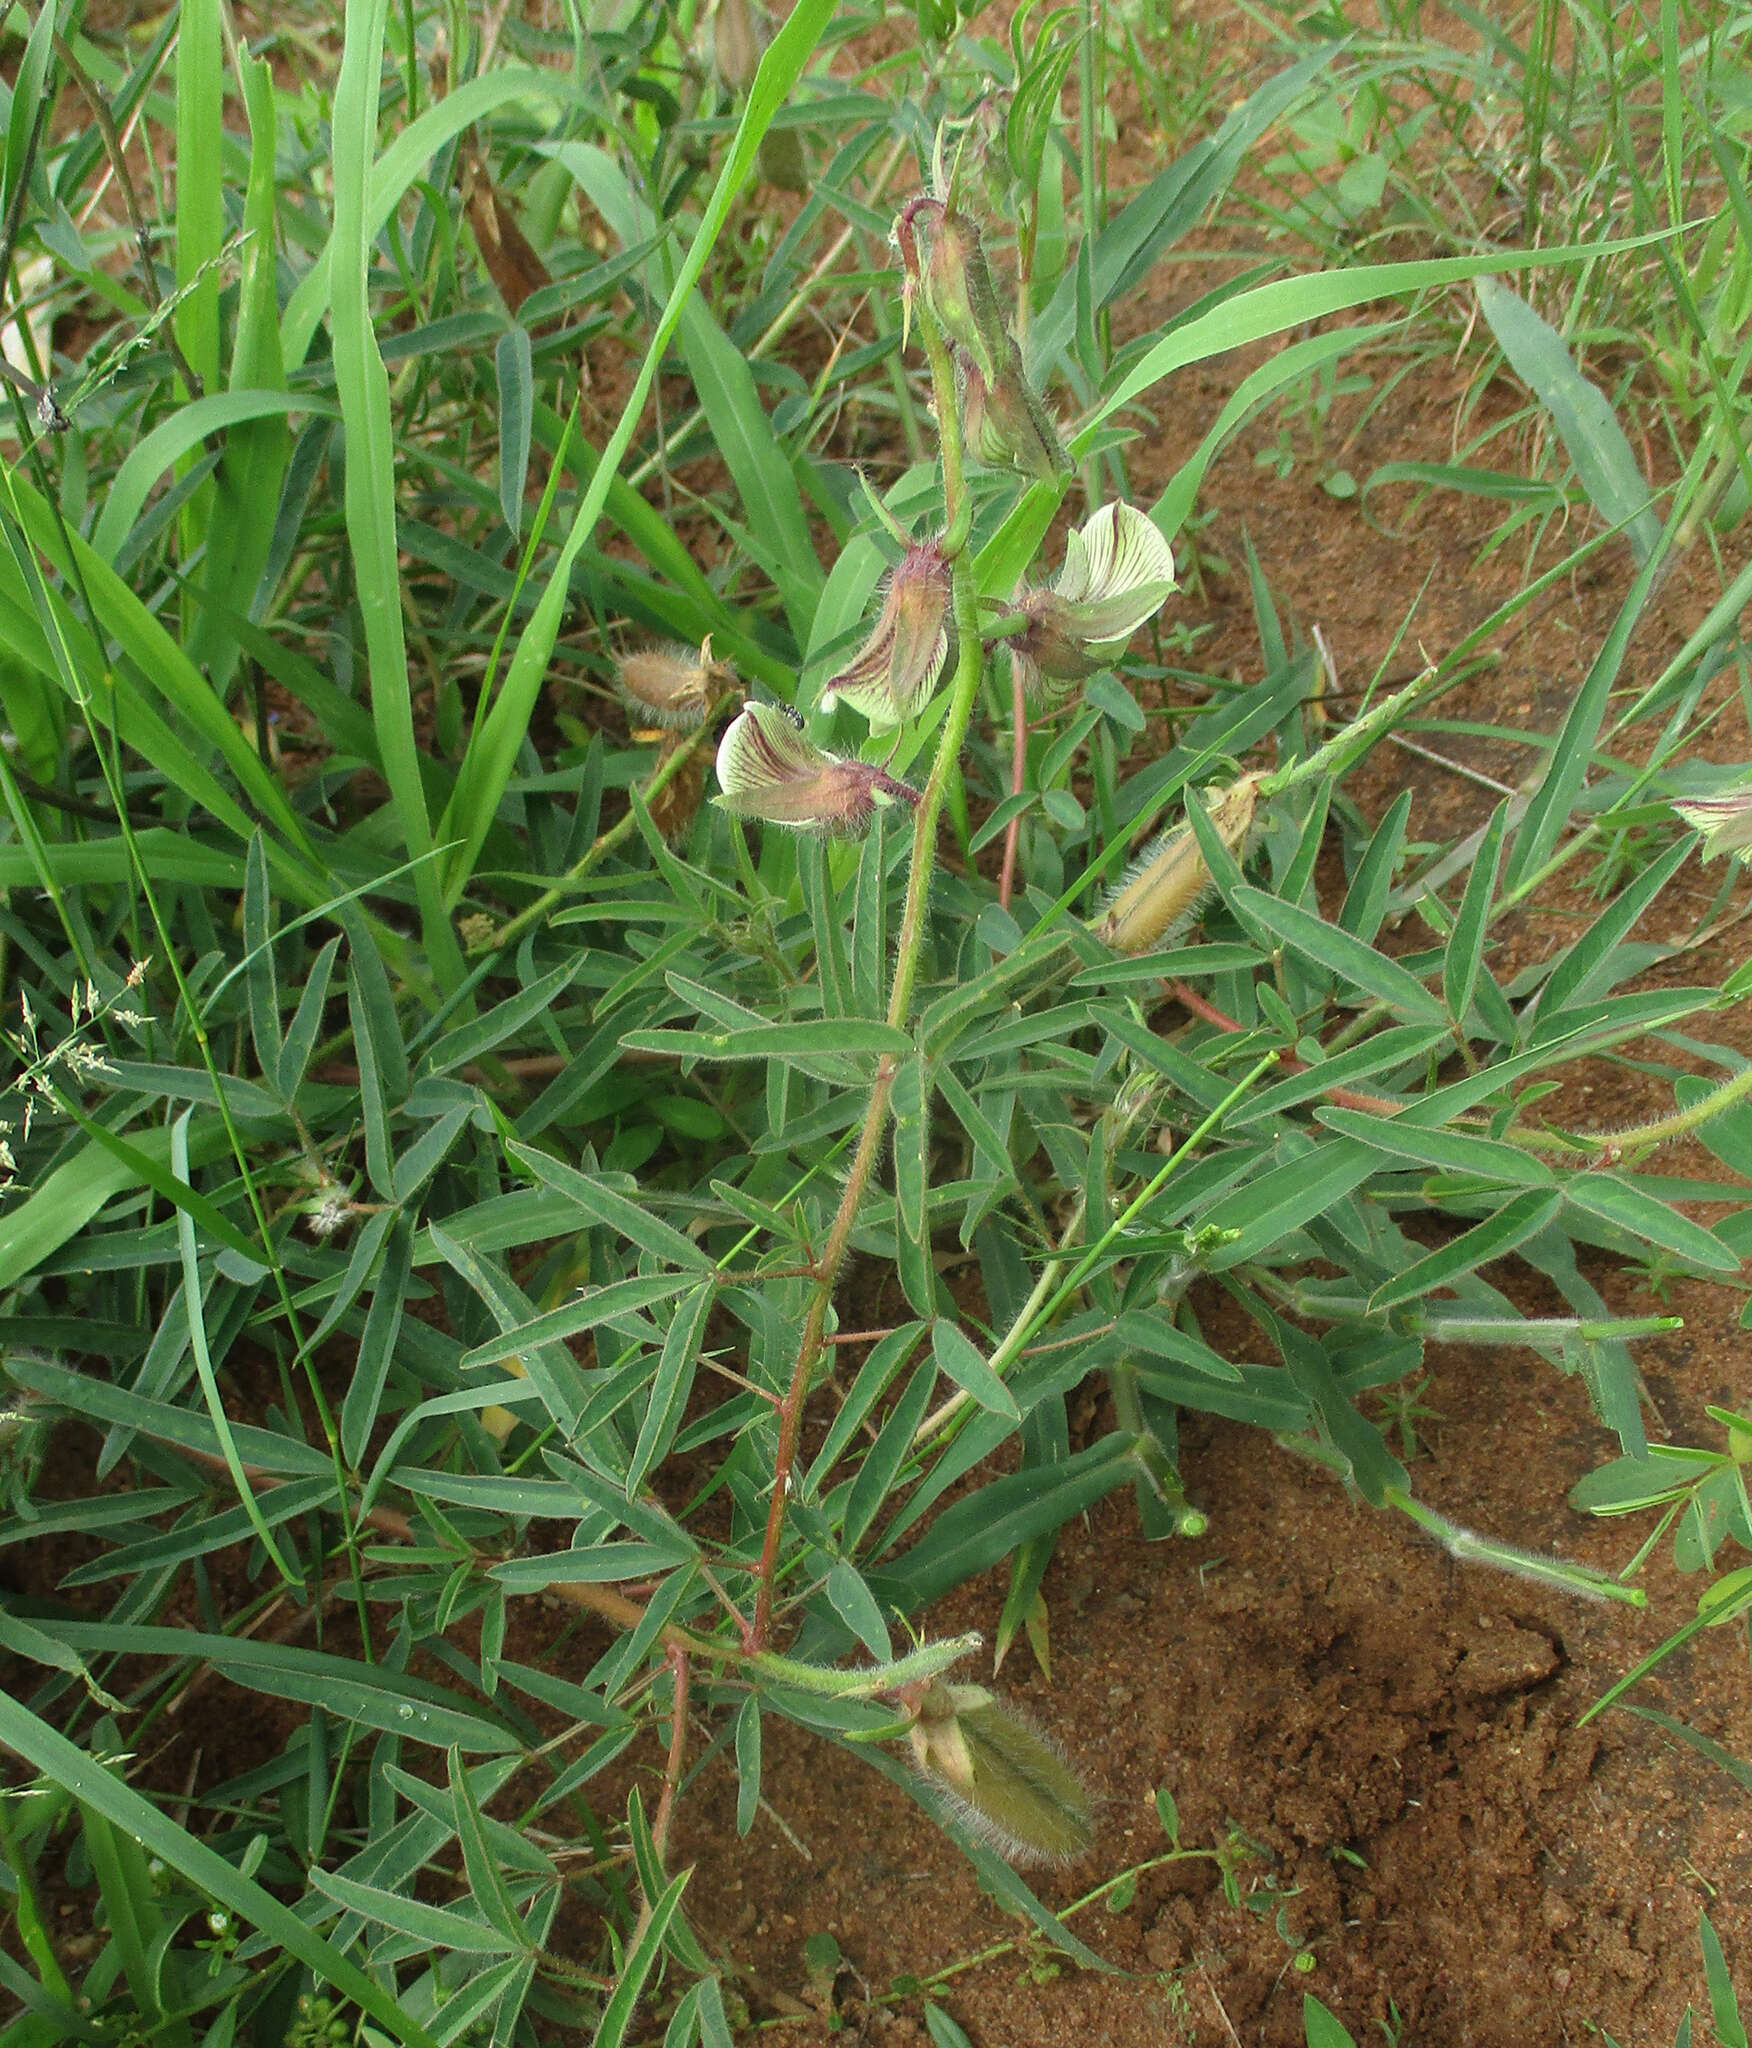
[969, 669]
[970, 663]
[600, 848]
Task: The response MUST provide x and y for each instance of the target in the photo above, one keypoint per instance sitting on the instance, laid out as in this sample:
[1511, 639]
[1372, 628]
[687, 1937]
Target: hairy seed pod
[673, 686]
[674, 806]
[1004, 424]
[961, 295]
[1008, 1784]
[1166, 885]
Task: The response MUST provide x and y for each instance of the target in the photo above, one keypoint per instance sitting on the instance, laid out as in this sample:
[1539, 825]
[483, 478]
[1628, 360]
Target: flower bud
[894, 672]
[673, 686]
[1166, 885]
[961, 295]
[768, 770]
[1008, 1784]
[1118, 572]
[781, 159]
[1004, 423]
[737, 43]
[1725, 821]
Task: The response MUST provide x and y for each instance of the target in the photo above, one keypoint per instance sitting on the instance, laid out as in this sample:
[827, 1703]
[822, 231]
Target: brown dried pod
[1168, 882]
[674, 686]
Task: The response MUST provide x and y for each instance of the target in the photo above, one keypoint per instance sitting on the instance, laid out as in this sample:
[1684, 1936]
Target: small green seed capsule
[1007, 1782]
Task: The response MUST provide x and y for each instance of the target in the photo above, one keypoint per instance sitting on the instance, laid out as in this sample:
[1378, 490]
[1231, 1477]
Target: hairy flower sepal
[1002, 421]
[1118, 572]
[1006, 1782]
[768, 770]
[891, 677]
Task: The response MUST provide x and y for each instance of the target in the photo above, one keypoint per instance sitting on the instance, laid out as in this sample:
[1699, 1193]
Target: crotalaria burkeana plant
[862, 1047]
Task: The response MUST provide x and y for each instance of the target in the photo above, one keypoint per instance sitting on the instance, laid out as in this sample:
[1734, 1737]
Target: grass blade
[362, 385]
[492, 749]
[65, 1764]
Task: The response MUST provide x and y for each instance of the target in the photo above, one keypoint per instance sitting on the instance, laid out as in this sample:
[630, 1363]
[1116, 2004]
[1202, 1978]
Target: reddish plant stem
[813, 1343]
[1018, 776]
[1345, 1098]
[679, 1671]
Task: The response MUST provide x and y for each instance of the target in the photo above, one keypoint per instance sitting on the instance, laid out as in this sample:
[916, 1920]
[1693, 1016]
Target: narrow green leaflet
[1448, 1151]
[440, 1927]
[1515, 1222]
[515, 371]
[910, 1104]
[1580, 411]
[832, 1036]
[1465, 950]
[1156, 1337]
[982, 1529]
[667, 1400]
[593, 1308]
[1616, 1200]
[615, 1211]
[1343, 955]
[961, 1362]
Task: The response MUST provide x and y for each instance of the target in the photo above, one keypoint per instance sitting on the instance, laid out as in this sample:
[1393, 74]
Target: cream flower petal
[1118, 573]
[892, 675]
[768, 770]
[1725, 821]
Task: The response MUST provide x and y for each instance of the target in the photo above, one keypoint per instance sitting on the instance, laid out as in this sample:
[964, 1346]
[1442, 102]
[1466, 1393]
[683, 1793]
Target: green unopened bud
[674, 686]
[1008, 1784]
[1004, 423]
[768, 770]
[738, 39]
[961, 295]
[1163, 889]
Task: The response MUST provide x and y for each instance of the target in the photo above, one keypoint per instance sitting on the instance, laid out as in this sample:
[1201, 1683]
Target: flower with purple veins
[1725, 820]
[1118, 572]
[768, 770]
[893, 674]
